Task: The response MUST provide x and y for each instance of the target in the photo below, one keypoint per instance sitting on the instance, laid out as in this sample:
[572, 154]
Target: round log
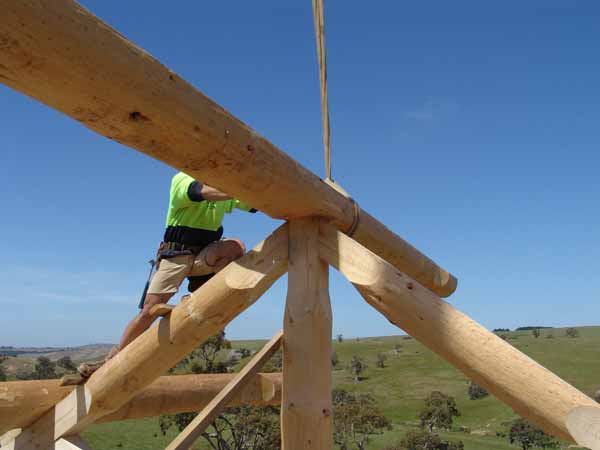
[511, 376]
[23, 402]
[60, 54]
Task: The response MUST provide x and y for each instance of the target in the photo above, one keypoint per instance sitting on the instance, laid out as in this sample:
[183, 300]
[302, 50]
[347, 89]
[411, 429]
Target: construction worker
[192, 248]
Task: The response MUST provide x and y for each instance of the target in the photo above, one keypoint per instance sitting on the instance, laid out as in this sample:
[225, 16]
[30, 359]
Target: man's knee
[237, 248]
[150, 301]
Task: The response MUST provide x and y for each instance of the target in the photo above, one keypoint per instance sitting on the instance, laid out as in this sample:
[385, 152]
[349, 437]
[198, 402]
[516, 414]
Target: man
[192, 247]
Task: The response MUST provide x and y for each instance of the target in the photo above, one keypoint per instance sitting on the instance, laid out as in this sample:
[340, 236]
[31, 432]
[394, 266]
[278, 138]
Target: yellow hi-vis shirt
[205, 215]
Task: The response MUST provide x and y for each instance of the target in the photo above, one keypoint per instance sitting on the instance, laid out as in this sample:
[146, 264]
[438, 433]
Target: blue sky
[469, 128]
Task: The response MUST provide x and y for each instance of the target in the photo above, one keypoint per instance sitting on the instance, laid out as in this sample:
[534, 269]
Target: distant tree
[44, 369]
[2, 372]
[356, 417]
[381, 359]
[275, 364]
[529, 328]
[242, 428]
[340, 338]
[206, 355]
[526, 436]
[536, 332]
[357, 367]
[422, 440]
[497, 330]
[439, 412]
[66, 363]
[23, 374]
[476, 392]
[572, 332]
[334, 359]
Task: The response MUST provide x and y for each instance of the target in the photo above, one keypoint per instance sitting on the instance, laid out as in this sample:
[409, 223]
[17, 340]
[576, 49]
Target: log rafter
[62, 55]
[481, 355]
[159, 348]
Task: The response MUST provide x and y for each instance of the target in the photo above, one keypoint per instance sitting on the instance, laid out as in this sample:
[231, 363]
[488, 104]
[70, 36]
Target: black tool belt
[172, 249]
[176, 246]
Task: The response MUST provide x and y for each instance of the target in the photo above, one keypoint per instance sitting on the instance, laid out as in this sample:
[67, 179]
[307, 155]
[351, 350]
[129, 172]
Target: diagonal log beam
[63, 56]
[23, 402]
[584, 425]
[531, 390]
[217, 405]
[208, 310]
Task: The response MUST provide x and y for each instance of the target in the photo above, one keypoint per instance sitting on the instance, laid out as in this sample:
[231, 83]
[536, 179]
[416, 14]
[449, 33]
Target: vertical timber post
[306, 411]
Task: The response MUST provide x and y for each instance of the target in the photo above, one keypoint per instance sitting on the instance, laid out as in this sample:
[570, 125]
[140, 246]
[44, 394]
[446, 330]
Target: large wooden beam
[306, 410]
[190, 393]
[60, 54]
[23, 402]
[531, 390]
[584, 424]
[208, 310]
[217, 405]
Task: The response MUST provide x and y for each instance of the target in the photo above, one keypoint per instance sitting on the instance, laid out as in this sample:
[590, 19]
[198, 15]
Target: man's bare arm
[198, 192]
[212, 194]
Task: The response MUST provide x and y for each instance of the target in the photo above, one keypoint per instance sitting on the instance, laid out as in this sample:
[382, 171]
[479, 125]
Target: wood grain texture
[584, 425]
[167, 395]
[306, 410]
[531, 390]
[217, 405]
[189, 393]
[65, 57]
[161, 310]
[209, 309]
[74, 442]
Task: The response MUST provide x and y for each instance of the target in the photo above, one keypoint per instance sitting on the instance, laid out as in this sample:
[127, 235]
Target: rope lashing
[319, 16]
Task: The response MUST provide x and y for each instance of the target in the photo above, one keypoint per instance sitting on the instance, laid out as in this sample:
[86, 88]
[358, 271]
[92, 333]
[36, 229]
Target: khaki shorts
[172, 271]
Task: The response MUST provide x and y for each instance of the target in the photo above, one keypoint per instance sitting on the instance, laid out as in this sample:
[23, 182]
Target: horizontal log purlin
[60, 54]
[511, 376]
[167, 395]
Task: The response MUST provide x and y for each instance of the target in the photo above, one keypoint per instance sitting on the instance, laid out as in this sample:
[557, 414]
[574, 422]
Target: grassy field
[400, 387]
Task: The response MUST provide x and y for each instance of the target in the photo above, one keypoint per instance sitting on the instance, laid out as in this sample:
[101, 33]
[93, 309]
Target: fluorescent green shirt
[206, 215]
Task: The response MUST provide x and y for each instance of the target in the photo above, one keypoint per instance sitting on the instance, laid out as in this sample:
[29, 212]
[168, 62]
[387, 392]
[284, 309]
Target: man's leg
[142, 321]
[165, 283]
[221, 253]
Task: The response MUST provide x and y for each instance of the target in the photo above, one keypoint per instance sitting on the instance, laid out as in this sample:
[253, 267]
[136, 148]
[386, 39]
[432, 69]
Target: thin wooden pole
[306, 411]
[188, 436]
[511, 376]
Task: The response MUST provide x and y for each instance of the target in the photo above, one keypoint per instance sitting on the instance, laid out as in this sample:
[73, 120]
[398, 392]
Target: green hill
[409, 376]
